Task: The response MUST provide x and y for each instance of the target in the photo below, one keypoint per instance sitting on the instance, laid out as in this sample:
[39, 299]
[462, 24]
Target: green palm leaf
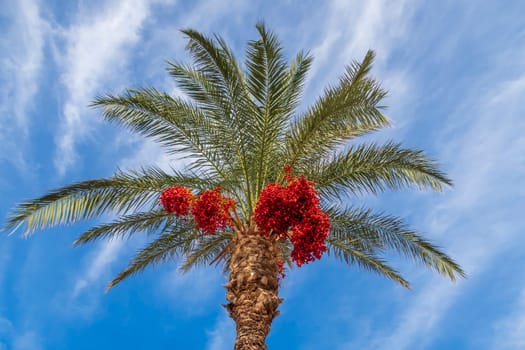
[206, 249]
[178, 240]
[371, 233]
[127, 225]
[234, 108]
[344, 112]
[121, 193]
[351, 255]
[173, 122]
[372, 169]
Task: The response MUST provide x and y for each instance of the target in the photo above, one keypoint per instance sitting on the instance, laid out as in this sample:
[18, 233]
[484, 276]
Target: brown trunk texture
[253, 289]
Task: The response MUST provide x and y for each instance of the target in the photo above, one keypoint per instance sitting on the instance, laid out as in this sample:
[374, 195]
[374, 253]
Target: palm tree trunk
[253, 289]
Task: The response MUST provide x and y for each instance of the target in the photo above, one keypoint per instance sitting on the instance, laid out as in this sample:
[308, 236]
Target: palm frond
[219, 68]
[276, 88]
[296, 79]
[173, 122]
[372, 169]
[379, 232]
[206, 248]
[195, 84]
[217, 107]
[369, 261]
[127, 225]
[122, 193]
[345, 111]
[221, 78]
[267, 82]
[217, 64]
[177, 241]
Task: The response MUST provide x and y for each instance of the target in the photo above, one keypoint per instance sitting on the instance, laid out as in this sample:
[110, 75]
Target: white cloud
[194, 292]
[107, 252]
[222, 337]
[414, 326]
[480, 218]
[207, 13]
[22, 48]
[510, 331]
[81, 294]
[27, 341]
[377, 25]
[81, 297]
[346, 32]
[351, 28]
[97, 49]
[147, 153]
[11, 338]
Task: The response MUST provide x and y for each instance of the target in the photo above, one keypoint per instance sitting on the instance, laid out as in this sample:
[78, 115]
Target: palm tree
[240, 126]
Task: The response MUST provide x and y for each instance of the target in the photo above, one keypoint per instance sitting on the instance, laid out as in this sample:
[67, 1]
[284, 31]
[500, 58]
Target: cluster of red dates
[289, 211]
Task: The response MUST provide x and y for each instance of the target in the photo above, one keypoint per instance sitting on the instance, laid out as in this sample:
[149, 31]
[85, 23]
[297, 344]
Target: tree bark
[252, 289]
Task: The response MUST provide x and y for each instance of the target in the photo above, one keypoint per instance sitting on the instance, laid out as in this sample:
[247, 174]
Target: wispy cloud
[27, 341]
[97, 47]
[510, 331]
[146, 153]
[22, 55]
[96, 52]
[23, 49]
[478, 219]
[222, 337]
[11, 338]
[80, 297]
[349, 30]
[107, 252]
[194, 292]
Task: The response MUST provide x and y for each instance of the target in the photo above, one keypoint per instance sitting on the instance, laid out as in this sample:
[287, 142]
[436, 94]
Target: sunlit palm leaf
[217, 64]
[121, 193]
[267, 80]
[372, 169]
[207, 248]
[346, 252]
[177, 241]
[371, 233]
[344, 112]
[127, 225]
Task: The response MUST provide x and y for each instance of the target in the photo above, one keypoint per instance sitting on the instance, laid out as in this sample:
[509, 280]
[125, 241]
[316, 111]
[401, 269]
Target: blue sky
[456, 75]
